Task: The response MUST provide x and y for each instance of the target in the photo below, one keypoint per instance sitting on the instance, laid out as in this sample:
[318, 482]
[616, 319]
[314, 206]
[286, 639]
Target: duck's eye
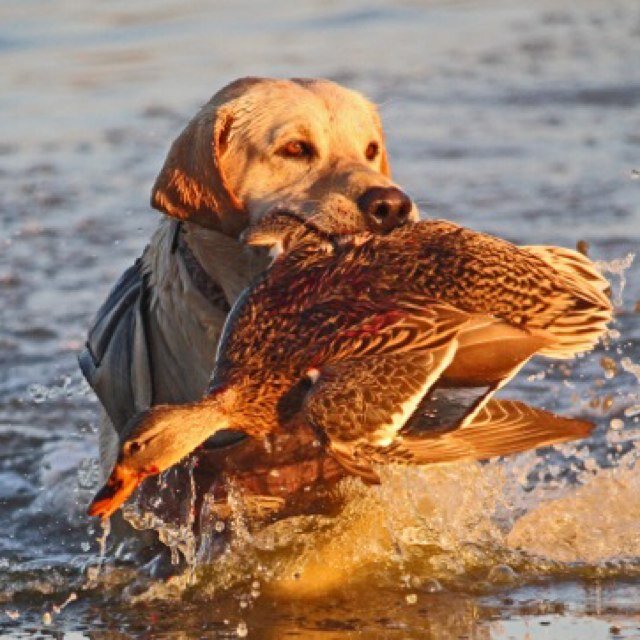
[298, 149]
[133, 447]
[372, 151]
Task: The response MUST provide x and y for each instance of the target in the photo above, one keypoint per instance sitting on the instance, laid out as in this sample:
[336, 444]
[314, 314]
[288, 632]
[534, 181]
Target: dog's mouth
[281, 229]
[336, 220]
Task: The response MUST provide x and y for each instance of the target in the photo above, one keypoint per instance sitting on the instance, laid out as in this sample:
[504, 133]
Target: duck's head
[282, 230]
[153, 441]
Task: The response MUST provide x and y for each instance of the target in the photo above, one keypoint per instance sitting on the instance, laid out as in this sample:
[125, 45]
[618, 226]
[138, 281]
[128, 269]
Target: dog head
[308, 146]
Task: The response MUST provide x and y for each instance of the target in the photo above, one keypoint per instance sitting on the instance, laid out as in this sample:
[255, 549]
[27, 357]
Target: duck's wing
[420, 325]
[583, 322]
[367, 401]
[375, 374]
[500, 428]
[577, 269]
[384, 395]
[490, 353]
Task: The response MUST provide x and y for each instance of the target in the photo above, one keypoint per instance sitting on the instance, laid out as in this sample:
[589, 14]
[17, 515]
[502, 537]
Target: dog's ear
[191, 185]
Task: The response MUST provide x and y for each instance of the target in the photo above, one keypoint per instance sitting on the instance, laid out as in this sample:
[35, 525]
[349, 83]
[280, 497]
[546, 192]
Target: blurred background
[514, 117]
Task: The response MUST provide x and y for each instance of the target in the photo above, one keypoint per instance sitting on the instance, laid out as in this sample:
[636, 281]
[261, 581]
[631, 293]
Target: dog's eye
[297, 149]
[372, 151]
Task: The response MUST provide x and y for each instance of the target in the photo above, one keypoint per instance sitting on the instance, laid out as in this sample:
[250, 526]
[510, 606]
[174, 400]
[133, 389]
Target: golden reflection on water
[372, 613]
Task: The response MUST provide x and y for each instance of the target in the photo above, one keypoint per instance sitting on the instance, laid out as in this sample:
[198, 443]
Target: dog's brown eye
[297, 149]
[373, 149]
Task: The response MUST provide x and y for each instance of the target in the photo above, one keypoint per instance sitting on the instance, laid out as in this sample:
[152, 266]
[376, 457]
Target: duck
[389, 347]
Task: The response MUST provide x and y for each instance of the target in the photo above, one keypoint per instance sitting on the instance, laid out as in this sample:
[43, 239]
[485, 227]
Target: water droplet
[431, 585]
[38, 393]
[610, 367]
[591, 465]
[241, 630]
[92, 573]
[632, 411]
[630, 367]
[502, 574]
[88, 473]
[583, 247]
[617, 267]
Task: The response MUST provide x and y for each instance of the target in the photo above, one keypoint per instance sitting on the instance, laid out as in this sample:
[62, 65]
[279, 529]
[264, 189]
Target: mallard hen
[390, 347]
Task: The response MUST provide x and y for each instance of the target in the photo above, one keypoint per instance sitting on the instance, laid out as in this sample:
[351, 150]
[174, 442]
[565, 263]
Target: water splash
[105, 525]
[48, 616]
[72, 597]
[177, 532]
[631, 367]
[68, 387]
[618, 267]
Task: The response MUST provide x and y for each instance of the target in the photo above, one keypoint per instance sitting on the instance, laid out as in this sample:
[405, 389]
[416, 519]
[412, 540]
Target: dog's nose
[385, 207]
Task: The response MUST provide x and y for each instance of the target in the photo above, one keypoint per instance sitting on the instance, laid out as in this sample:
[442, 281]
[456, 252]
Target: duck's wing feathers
[577, 269]
[377, 377]
[375, 373]
[367, 401]
[421, 326]
[586, 310]
[382, 397]
[501, 427]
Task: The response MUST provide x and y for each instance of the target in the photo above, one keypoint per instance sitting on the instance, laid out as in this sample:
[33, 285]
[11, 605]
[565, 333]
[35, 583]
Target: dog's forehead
[318, 104]
[346, 108]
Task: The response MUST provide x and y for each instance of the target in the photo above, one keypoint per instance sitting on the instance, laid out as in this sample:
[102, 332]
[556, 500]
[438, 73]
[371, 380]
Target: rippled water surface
[518, 118]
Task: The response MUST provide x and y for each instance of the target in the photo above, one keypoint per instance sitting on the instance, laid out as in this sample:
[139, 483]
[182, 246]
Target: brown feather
[501, 428]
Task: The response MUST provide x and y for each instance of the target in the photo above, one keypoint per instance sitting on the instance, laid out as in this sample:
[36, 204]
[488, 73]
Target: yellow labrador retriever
[306, 145]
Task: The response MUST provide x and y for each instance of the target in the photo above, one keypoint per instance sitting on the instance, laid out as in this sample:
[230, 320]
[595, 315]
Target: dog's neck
[228, 263]
[186, 322]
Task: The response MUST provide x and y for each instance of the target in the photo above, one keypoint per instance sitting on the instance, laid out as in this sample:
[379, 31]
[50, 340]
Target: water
[520, 119]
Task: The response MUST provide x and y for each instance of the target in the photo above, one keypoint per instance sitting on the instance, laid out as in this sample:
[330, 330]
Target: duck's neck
[179, 429]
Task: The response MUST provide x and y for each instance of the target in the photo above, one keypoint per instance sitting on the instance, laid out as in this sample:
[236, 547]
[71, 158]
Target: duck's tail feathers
[501, 427]
[583, 325]
[578, 270]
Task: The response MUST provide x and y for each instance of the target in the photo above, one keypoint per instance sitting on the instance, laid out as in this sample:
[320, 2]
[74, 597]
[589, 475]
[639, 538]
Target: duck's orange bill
[120, 485]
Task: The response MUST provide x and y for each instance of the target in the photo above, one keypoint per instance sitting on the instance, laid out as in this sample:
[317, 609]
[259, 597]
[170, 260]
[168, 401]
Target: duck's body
[390, 347]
